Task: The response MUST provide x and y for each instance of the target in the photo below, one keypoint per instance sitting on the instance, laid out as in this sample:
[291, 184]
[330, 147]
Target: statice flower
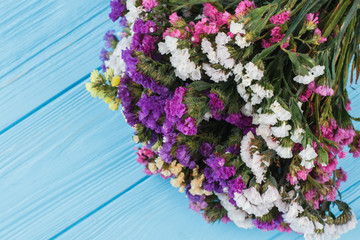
[244, 8]
[324, 91]
[235, 185]
[281, 18]
[268, 225]
[216, 104]
[152, 108]
[109, 38]
[117, 9]
[312, 20]
[183, 156]
[149, 4]
[318, 37]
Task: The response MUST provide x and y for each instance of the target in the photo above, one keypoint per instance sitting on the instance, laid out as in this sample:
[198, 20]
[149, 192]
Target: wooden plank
[51, 67]
[33, 29]
[62, 163]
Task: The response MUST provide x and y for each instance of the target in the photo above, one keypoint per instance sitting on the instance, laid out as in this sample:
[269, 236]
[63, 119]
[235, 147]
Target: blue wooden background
[67, 164]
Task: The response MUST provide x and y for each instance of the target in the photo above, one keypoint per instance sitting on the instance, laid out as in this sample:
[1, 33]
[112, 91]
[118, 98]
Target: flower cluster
[237, 105]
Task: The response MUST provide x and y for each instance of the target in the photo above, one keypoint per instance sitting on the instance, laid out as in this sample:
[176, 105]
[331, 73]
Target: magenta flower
[244, 8]
[281, 18]
[318, 37]
[324, 91]
[149, 4]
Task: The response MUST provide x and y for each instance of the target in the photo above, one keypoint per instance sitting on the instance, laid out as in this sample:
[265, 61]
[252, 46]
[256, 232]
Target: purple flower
[235, 186]
[104, 55]
[151, 110]
[188, 127]
[239, 120]
[268, 225]
[110, 37]
[130, 61]
[216, 104]
[125, 96]
[117, 9]
[183, 155]
[205, 149]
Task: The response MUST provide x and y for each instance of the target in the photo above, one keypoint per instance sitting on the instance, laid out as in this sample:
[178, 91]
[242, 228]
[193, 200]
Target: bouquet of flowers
[242, 104]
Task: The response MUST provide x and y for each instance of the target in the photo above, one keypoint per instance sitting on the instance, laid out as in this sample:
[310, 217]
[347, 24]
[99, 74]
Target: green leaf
[323, 156]
[200, 85]
[264, 53]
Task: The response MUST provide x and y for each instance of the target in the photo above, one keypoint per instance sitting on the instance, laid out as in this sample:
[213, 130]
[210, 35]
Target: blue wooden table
[67, 164]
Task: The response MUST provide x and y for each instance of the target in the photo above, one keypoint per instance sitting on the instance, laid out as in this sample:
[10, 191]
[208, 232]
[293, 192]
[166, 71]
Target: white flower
[133, 11]
[247, 109]
[169, 46]
[216, 75]
[308, 153]
[304, 79]
[265, 132]
[313, 73]
[115, 60]
[207, 48]
[241, 41]
[171, 43]
[253, 72]
[207, 116]
[238, 216]
[267, 118]
[222, 39]
[284, 152]
[281, 113]
[308, 164]
[297, 135]
[223, 55]
[317, 71]
[241, 89]
[282, 131]
[253, 161]
[237, 28]
[238, 71]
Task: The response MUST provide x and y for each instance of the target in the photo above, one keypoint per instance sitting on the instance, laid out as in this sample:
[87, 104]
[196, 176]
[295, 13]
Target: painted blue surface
[67, 165]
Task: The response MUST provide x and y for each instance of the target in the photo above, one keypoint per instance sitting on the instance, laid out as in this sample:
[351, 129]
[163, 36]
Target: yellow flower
[94, 75]
[114, 105]
[91, 90]
[115, 81]
[159, 163]
[152, 167]
[109, 73]
[175, 168]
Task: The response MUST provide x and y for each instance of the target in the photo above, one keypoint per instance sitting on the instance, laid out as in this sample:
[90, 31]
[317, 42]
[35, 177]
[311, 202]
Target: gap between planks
[144, 179]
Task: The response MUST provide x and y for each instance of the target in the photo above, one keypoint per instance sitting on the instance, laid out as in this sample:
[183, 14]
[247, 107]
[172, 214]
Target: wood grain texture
[67, 164]
[61, 163]
[58, 50]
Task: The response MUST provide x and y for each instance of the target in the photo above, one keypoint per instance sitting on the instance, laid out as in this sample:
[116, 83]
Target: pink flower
[347, 106]
[210, 11]
[265, 44]
[332, 194]
[173, 18]
[312, 20]
[302, 175]
[149, 4]
[282, 228]
[313, 17]
[225, 219]
[244, 8]
[276, 35]
[281, 18]
[324, 91]
[173, 32]
[318, 37]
